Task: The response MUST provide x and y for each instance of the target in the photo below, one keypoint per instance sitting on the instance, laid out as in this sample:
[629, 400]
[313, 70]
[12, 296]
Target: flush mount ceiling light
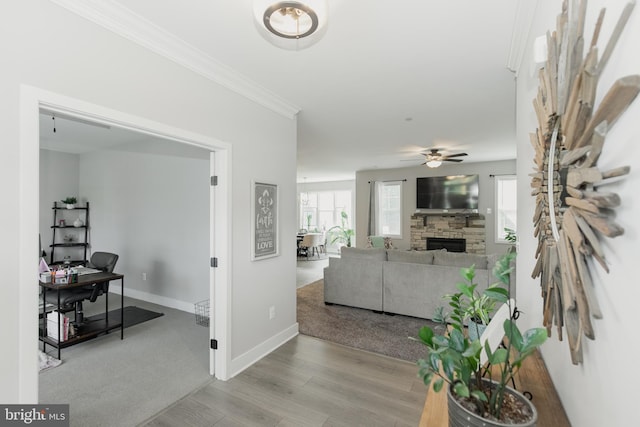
[291, 25]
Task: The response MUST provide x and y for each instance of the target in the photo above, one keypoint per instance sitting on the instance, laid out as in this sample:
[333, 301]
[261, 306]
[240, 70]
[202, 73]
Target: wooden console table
[533, 377]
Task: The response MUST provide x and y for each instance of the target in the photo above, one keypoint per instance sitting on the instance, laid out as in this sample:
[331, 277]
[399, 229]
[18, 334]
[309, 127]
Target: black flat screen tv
[453, 193]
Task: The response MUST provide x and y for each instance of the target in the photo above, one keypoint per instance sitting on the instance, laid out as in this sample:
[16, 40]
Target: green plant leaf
[468, 273]
[497, 293]
[434, 360]
[533, 338]
[499, 356]
[479, 395]
[461, 389]
[513, 334]
[473, 350]
[426, 335]
[448, 367]
[440, 341]
[457, 341]
[437, 385]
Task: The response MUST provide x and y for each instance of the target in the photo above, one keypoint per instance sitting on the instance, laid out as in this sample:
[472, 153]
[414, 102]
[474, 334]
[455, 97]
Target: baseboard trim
[155, 299]
[250, 357]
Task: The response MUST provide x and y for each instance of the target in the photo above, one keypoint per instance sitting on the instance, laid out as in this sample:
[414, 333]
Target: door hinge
[214, 344]
[214, 180]
[214, 262]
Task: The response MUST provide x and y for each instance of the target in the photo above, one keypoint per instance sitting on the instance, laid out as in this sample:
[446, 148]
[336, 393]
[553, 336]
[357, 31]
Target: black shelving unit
[60, 248]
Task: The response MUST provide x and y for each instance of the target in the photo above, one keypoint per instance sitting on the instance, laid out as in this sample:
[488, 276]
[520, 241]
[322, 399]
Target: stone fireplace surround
[468, 227]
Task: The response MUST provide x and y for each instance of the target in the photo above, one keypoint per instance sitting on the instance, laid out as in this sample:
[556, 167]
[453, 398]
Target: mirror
[573, 208]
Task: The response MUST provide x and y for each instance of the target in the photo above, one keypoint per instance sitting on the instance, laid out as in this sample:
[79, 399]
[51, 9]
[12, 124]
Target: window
[389, 209]
[321, 210]
[506, 206]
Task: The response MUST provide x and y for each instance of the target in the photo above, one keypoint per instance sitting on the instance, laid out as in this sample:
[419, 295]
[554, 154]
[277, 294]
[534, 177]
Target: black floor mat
[132, 316]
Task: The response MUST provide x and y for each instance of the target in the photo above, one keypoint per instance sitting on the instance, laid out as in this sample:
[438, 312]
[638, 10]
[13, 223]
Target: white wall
[47, 47]
[157, 222]
[486, 196]
[152, 209]
[58, 179]
[593, 392]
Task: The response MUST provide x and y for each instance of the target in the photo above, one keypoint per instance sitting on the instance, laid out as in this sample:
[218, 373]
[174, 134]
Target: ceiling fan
[434, 158]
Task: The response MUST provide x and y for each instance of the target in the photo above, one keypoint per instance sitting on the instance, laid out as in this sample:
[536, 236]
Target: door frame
[32, 99]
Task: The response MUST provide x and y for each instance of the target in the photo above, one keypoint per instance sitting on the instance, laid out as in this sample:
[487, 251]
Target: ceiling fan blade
[451, 160]
[456, 155]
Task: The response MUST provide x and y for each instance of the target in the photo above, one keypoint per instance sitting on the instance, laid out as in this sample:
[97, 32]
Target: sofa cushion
[413, 257]
[458, 259]
[378, 254]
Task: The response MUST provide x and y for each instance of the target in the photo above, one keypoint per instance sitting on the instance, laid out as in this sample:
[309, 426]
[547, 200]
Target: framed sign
[264, 222]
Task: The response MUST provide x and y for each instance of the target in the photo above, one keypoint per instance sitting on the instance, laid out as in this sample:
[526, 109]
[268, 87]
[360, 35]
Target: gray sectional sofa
[411, 283]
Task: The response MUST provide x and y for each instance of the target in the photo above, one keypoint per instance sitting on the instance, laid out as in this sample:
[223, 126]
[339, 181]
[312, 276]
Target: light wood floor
[307, 382]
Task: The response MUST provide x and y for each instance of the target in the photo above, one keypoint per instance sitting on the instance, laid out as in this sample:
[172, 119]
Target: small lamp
[291, 25]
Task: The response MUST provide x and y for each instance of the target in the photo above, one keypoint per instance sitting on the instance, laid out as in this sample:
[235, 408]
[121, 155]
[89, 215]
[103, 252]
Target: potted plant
[454, 359]
[70, 202]
[510, 235]
[341, 233]
[309, 216]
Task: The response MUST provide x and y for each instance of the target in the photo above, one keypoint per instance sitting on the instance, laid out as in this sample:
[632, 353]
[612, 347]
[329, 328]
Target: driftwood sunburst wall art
[573, 208]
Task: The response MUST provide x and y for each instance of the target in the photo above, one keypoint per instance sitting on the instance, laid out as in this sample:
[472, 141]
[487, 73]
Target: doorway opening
[48, 103]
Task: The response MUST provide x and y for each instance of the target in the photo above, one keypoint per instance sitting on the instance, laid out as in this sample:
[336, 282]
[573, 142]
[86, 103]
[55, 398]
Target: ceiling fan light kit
[291, 25]
[434, 158]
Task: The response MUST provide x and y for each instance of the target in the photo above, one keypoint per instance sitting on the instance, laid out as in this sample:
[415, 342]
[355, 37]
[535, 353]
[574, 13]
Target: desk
[89, 330]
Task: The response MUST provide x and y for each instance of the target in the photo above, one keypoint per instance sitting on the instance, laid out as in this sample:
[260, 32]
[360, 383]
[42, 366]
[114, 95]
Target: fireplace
[451, 245]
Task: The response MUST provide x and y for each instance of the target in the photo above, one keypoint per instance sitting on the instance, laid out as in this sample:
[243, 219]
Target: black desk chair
[71, 299]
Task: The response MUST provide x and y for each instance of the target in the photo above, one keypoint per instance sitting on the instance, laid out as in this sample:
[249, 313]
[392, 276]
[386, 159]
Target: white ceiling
[388, 79]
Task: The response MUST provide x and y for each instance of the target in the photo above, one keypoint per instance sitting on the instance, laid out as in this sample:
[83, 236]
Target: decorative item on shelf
[62, 223]
[571, 212]
[78, 222]
[68, 238]
[455, 359]
[70, 202]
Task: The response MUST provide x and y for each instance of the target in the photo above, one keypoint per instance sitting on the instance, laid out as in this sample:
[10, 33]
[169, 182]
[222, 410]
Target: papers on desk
[86, 270]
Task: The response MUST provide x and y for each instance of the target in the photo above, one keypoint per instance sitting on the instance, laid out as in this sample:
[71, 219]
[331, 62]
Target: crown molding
[525, 13]
[122, 21]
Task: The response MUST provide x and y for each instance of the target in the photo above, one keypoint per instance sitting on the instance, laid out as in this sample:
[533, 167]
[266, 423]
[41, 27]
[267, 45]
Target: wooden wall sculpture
[572, 210]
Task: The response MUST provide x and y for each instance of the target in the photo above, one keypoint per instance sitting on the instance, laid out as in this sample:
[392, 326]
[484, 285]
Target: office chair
[73, 298]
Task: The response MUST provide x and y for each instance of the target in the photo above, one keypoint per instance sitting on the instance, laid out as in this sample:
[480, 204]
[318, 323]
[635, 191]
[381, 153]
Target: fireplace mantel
[449, 226]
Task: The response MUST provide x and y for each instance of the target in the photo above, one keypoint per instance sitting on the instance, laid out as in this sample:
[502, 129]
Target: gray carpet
[354, 327]
[111, 382]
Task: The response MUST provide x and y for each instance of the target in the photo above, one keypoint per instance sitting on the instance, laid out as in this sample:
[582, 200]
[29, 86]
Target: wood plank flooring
[307, 382]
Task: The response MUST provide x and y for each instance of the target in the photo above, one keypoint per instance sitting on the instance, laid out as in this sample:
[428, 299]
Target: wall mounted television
[453, 193]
